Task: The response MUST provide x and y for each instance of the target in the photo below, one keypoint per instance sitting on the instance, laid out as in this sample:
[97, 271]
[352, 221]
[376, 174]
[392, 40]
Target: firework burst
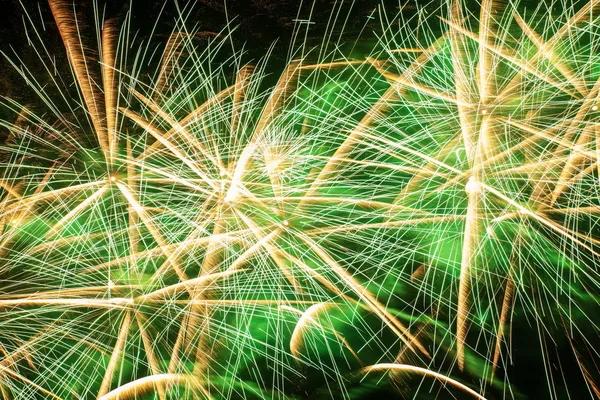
[204, 230]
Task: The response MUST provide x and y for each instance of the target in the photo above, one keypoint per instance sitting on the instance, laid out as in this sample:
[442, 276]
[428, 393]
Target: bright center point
[472, 186]
[232, 194]
[594, 108]
[113, 178]
[285, 222]
[483, 112]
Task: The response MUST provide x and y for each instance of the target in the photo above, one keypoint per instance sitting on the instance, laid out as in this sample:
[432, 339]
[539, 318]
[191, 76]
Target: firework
[201, 229]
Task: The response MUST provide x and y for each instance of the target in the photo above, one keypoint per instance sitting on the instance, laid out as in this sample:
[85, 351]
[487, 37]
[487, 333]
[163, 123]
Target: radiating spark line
[194, 285]
[150, 355]
[545, 51]
[55, 229]
[386, 224]
[176, 247]
[25, 202]
[584, 13]
[196, 113]
[67, 27]
[504, 315]
[146, 384]
[150, 128]
[116, 354]
[141, 213]
[544, 221]
[369, 299]
[115, 302]
[307, 317]
[110, 86]
[20, 377]
[424, 371]
[508, 57]
[176, 126]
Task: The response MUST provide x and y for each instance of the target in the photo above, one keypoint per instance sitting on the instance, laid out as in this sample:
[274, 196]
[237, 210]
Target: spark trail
[205, 230]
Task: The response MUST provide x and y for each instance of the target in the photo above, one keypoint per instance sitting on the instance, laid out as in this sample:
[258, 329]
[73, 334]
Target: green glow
[291, 234]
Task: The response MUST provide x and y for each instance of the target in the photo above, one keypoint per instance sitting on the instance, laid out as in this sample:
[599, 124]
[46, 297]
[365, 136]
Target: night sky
[256, 24]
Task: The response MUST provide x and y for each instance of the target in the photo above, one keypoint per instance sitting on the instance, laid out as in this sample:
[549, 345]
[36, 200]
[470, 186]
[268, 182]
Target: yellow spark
[116, 355]
[144, 385]
[423, 371]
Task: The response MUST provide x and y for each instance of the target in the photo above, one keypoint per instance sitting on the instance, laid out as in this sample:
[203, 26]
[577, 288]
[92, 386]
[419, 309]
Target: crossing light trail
[189, 223]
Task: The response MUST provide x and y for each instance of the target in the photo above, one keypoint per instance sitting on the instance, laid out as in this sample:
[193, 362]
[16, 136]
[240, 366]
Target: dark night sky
[258, 24]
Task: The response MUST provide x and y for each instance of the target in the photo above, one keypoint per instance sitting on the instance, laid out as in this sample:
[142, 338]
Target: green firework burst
[205, 228]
